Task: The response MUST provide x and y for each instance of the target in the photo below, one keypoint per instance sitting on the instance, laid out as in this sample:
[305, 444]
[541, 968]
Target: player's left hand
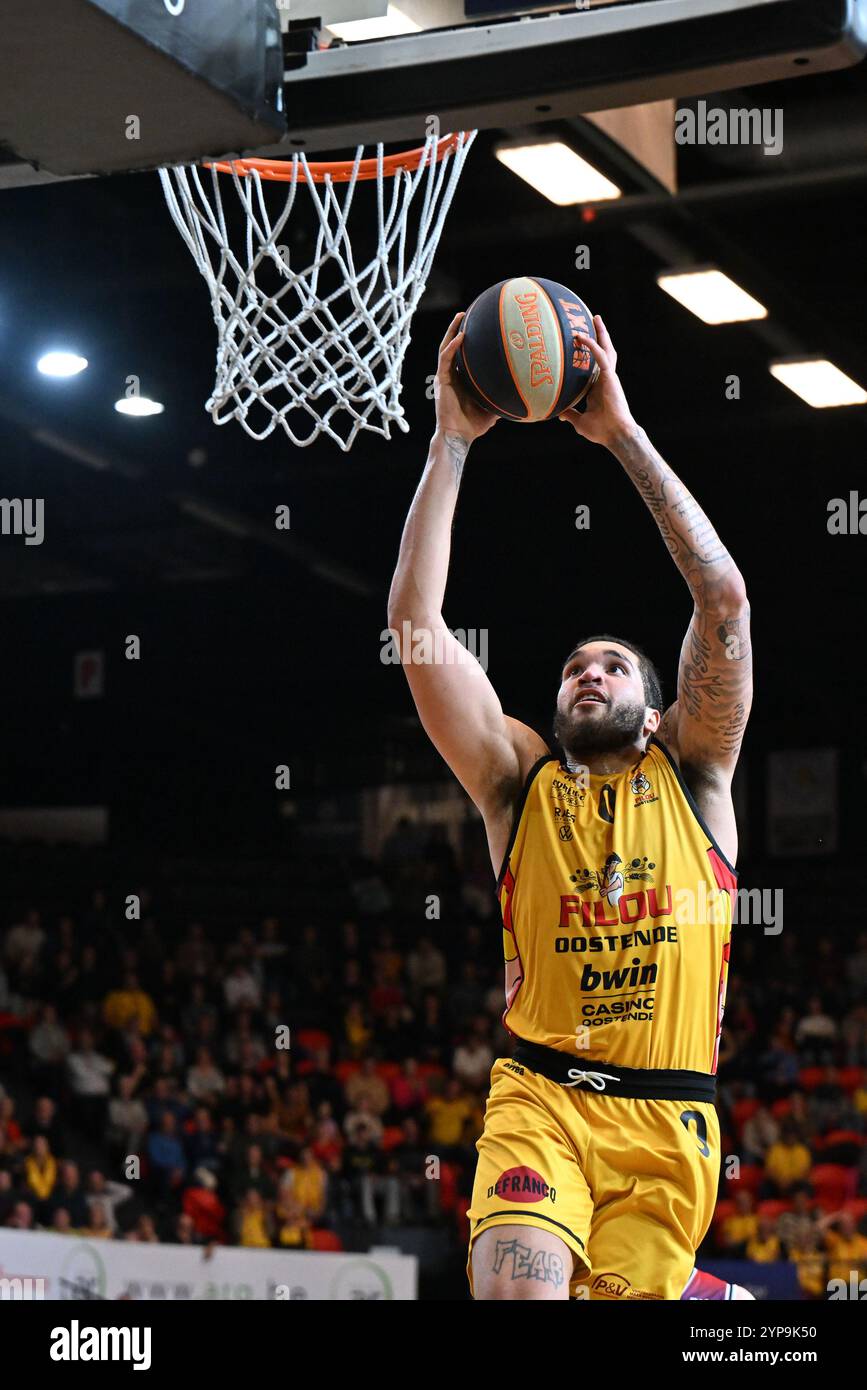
[607, 414]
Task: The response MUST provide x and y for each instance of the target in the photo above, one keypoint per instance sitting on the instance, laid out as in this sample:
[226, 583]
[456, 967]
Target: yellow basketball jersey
[617, 910]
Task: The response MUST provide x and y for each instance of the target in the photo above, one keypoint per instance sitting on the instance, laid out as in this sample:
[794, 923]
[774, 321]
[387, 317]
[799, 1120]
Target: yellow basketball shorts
[629, 1185]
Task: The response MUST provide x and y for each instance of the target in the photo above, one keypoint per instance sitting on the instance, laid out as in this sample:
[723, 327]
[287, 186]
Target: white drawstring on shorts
[597, 1079]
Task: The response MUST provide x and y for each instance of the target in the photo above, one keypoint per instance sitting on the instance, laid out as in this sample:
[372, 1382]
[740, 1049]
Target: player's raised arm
[705, 726]
[456, 702]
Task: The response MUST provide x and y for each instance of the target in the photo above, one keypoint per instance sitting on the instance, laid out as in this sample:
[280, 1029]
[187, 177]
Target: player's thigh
[520, 1261]
[654, 1175]
[529, 1176]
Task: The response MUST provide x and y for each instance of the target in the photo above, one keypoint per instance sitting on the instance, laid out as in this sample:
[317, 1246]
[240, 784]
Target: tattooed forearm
[692, 541]
[458, 448]
[528, 1262]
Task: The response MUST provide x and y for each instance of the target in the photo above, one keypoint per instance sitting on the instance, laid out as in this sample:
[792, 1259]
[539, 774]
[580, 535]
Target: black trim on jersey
[635, 1083]
[537, 1216]
[691, 802]
[519, 811]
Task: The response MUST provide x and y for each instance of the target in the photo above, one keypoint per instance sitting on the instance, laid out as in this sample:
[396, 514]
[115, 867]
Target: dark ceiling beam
[202, 508]
[226, 519]
[550, 222]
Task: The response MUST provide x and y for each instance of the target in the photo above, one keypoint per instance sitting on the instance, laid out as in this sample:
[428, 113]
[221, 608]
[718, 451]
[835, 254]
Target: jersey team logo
[642, 789]
[610, 880]
[522, 1185]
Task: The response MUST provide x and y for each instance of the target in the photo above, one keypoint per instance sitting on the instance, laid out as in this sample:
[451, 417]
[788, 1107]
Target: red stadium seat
[389, 1071]
[833, 1184]
[772, 1207]
[743, 1110]
[843, 1136]
[324, 1240]
[750, 1179]
[850, 1078]
[725, 1207]
[312, 1039]
[857, 1207]
[448, 1186]
[811, 1077]
[343, 1071]
[426, 1069]
[392, 1137]
[781, 1108]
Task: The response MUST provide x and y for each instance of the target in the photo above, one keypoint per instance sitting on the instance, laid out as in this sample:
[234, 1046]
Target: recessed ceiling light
[556, 171]
[818, 382]
[393, 23]
[61, 363]
[711, 295]
[138, 405]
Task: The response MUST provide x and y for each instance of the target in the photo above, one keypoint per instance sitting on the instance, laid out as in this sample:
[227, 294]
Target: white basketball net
[318, 350]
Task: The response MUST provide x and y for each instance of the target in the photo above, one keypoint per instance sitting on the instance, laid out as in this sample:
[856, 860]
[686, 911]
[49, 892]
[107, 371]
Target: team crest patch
[642, 789]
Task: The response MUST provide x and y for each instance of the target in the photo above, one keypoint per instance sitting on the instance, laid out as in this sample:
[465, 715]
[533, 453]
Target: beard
[619, 727]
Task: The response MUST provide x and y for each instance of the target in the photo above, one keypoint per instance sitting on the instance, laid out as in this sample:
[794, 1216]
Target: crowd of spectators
[793, 1107]
[303, 1083]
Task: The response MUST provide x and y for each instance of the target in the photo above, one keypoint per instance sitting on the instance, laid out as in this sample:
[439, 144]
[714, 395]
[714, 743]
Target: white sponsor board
[77, 1268]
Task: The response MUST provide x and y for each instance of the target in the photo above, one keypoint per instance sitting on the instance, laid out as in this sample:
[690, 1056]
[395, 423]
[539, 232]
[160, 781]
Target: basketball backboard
[496, 63]
[362, 71]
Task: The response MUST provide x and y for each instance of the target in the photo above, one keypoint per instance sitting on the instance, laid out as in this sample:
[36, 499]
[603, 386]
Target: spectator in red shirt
[409, 1091]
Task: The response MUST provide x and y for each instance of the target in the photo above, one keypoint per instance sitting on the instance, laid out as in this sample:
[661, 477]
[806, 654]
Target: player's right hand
[457, 412]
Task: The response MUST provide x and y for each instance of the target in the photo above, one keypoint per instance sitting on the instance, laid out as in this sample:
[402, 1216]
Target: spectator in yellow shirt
[293, 1226]
[764, 1247]
[307, 1183]
[846, 1247]
[366, 1085]
[253, 1223]
[40, 1169]
[131, 1002]
[355, 1029]
[810, 1263]
[447, 1115]
[99, 1223]
[741, 1226]
[787, 1163]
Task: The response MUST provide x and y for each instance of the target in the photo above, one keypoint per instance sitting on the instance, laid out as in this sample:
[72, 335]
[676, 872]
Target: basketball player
[598, 1164]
